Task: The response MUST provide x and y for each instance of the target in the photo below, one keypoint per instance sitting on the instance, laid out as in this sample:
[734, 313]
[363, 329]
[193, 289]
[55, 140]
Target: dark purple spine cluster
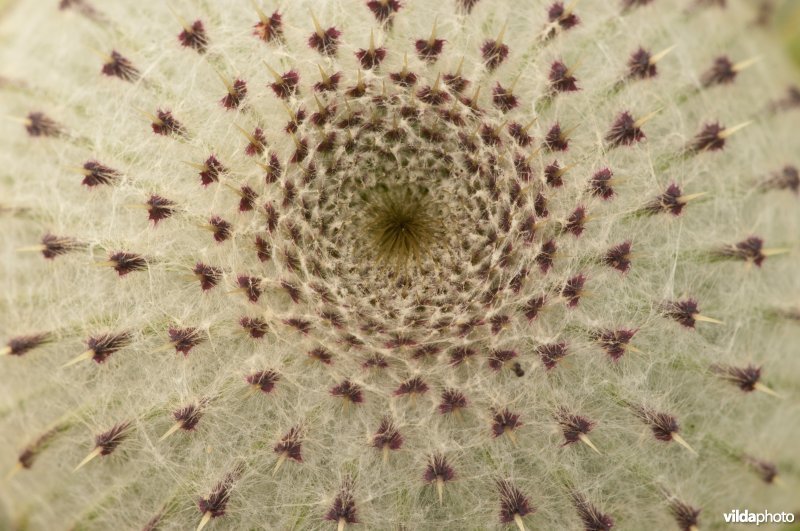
[104, 345]
[513, 503]
[109, 440]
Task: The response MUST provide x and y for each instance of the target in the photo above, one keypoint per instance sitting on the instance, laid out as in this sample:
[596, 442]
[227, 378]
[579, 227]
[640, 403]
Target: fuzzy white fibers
[49, 63]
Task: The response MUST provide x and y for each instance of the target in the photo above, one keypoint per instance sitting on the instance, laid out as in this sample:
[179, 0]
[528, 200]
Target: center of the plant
[401, 227]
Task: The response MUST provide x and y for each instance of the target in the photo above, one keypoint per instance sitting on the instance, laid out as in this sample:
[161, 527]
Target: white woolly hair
[49, 64]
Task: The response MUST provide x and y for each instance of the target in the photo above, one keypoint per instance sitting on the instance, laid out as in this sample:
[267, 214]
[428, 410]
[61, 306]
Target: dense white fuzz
[368, 267]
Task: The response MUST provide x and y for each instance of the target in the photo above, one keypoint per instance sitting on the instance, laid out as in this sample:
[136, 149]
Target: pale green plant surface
[480, 267]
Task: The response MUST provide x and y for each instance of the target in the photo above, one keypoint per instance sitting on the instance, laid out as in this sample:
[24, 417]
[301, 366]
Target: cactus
[395, 264]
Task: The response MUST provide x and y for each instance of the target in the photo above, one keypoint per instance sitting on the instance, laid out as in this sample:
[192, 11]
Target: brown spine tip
[499, 358]
[375, 361]
[745, 378]
[30, 453]
[37, 124]
[561, 78]
[625, 131]
[514, 505]
[721, 72]
[494, 51]
[209, 276]
[214, 505]
[574, 427]
[221, 229]
[255, 326]
[751, 250]
[505, 422]
[554, 173]
[343, 510]
[455, 81]
[708, 138]
[325, 41]
[576, 222]
[301, 325]
[268, 28]
[300, 153]
[124, 262]
[544, 259]
[263, 380]
[285, 85]
[272, 170]
[384, 10]
[552, 353]
[165, 124]
[348, 391]
[452, 401]
[290, 446]
[787, 178]
[601, 184]
[429, 49]
[619, 257]
[104, 345]
[118, 66]
[21, 345]
[159, 208]
[412, 387]
[573, 290]
[615, 342]
[329, 82]
[211, 170]
[556, 139]
[467, 5]
[686, 516]
[593, 519]
[251, 286]
[53, 246]
[371, 57]
[503, 98]
[433, 95]
[184, 339]
[524, 171]
[533, 307]
[194, 36]
[387, 437]
[188, 416]
[671, 201]
[95, 174]
[686, 312]
[767, 471]
[641, 65]
[272, 216]
[404, 78]
[248, 196]
[459, 355]
[562, 17]
[257, 142]
[788, 102]
[664, 426]
[520, 134]
[237, 91]
[108, 441]
[713, 136]
[321, 355]
[439, 472]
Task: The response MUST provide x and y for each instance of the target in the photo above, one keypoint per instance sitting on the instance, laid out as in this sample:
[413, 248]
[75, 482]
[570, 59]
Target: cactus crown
[471, 264]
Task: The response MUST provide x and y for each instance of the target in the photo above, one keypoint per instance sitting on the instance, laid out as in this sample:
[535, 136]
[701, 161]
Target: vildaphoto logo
[764, 517]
